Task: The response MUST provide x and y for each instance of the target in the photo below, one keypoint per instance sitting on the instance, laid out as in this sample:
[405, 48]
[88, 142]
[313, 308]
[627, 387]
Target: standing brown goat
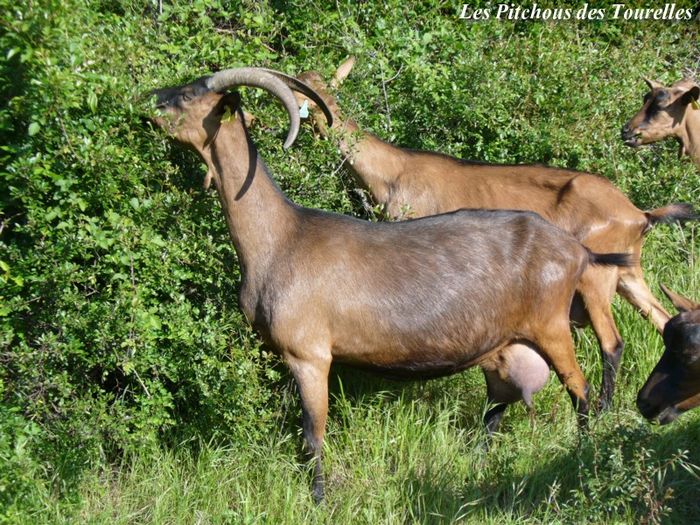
[674, 385]
[419, 183]
[668, 112]
[414, 299]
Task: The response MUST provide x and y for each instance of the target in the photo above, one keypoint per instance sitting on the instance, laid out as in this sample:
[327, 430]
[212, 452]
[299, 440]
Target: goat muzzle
[629, 136]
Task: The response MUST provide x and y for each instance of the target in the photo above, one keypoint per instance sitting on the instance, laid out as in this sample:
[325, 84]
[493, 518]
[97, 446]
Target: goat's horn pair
[274, 82]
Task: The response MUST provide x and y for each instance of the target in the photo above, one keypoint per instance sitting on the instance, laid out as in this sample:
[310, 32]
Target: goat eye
[662, 95]
[186, 97]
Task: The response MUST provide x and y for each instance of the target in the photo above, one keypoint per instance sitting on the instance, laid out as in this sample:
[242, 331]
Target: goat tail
[677, 212]
[624, 260]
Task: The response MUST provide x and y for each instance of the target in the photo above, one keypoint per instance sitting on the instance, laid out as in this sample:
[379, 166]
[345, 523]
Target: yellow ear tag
[228, 116]
[695, 103]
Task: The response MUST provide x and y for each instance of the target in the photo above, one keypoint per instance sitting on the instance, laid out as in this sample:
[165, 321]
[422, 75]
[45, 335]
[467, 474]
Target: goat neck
[689, 134]
[376, 164]
[258, 215]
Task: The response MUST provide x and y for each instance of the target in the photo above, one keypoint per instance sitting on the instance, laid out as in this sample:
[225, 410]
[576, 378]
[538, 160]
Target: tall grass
[401, 458]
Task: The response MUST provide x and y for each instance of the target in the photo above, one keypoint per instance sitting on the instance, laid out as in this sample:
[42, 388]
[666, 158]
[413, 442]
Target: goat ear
[653, 84]
[682, 304]
[228, 105]
[685, 90]
[230, 101]
[692, 96]
[342, 72]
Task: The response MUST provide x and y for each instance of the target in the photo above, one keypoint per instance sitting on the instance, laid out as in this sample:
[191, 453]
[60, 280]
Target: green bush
[119, 325]
[119, 317]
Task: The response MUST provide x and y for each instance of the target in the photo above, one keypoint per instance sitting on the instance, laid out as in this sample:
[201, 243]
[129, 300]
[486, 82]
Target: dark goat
[668, 112]
[674, 385]
[419, 183]
[416, 299]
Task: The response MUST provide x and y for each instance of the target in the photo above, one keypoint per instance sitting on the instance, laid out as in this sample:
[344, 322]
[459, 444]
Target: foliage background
[127, 371]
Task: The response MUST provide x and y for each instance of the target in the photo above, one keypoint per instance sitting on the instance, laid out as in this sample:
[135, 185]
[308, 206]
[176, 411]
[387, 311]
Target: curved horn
[299, 86]
[653, 84]
[264, 79]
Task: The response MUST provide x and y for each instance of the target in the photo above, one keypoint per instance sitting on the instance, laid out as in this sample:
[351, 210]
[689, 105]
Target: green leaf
[92, 101]
[33, 129]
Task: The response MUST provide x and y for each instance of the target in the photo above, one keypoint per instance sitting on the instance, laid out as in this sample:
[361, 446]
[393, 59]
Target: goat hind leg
[597, 287]
[499, 395]
[558, 348]
[515, 373]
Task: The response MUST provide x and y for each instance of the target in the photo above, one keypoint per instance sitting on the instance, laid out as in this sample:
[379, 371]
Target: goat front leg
[311, 376]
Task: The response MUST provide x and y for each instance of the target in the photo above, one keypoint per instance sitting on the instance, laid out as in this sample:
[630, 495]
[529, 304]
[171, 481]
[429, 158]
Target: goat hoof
[602, 406]
[583, 419]
[318, 493]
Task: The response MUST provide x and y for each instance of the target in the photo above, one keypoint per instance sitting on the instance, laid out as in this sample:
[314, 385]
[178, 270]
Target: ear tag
[695, 103]
[228, 116]
[304, 110]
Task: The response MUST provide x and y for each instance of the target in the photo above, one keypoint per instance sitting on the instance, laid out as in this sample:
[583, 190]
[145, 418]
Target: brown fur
[419, 298]
[419, 183]
[668, 112]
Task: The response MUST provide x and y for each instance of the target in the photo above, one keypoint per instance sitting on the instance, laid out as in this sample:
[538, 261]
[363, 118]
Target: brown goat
[413, 299]
[419, 183]
[674, 385]
[668, 112]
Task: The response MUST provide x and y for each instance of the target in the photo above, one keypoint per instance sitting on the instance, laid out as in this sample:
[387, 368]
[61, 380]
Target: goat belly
[413, 370]
[418, 358]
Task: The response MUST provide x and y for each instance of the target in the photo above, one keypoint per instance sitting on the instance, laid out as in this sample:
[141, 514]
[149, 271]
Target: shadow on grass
[623, 470]
[625, 474]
